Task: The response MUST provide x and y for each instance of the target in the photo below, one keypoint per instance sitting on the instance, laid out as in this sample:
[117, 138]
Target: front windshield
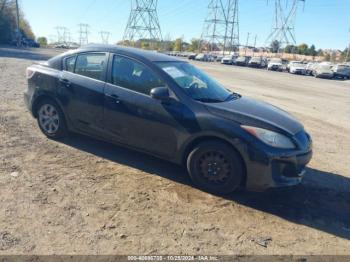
[255, 59]
[196, 84]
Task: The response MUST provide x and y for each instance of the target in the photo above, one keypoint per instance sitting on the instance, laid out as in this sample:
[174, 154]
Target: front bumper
[278, 171]
[275, 68]
[254, 65]
[325, 75]
[298, 71]
[268, 167]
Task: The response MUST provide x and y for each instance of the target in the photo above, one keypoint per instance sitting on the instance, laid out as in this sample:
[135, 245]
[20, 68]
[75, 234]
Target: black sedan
[168, 108]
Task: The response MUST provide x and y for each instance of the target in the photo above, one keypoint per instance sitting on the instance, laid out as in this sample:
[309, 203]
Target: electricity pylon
[62, 34]
[143, 21]
[283, 29]
[83, 34]
[221, 27]
[105, 36]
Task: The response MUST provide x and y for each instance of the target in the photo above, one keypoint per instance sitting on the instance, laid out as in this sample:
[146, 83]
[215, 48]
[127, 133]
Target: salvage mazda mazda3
[168, 108]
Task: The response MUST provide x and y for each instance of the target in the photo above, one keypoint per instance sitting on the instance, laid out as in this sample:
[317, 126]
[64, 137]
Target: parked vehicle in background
[242, 60]
[324, 70]
[61, 46]
[201, 57]
[170, 109]
[289, 64]
[229, 60]
[275, 64]
[192, 56]
[310, 68]
[204, 58]
[218, 58]
[297, 67]
[341, 71]
[258, 62]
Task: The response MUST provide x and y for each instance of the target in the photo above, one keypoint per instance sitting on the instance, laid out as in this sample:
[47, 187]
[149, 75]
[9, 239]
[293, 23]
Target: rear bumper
[28, 101]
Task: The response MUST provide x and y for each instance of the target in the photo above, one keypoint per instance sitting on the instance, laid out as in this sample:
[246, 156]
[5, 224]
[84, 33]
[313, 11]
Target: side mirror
[160, 93]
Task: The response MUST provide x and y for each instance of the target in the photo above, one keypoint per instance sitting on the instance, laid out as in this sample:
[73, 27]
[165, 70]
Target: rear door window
[91, 65]
[70, 63]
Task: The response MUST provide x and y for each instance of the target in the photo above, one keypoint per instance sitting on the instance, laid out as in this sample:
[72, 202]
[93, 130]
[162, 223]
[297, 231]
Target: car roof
[130, 51]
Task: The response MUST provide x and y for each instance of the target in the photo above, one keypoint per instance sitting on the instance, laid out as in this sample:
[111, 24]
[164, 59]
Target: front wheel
[215, 167]
[51, 119]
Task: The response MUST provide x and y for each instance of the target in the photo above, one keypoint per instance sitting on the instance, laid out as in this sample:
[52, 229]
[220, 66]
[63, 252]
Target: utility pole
[256, 37]
[18, 33]
[221, 27]
[283, 29]
[246, 45]
[143, 23]
[348, 53]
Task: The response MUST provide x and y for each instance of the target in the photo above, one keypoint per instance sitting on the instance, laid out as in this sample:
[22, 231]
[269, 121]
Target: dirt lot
[82, 196]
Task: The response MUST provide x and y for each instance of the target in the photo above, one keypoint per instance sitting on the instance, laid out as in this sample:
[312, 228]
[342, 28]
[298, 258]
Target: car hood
[247, 111]
[297, 67]
[275, 64]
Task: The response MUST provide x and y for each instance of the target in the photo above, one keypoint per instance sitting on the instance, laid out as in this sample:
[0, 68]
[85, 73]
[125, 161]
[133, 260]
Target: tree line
[8, 23]
[304, 49]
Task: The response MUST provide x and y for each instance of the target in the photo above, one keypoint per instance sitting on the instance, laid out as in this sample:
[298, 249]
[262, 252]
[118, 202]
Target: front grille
[291, 170]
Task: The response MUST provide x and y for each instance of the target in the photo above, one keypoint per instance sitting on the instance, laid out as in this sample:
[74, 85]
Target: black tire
[223, 178]
[60, 130]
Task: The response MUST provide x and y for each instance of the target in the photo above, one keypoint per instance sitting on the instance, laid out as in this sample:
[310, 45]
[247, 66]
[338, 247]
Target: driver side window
[129, 74]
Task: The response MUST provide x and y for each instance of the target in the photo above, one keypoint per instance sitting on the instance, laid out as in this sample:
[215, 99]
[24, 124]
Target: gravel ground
[82, 196]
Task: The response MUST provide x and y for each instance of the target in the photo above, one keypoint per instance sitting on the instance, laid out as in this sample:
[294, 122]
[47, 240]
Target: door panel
[143, 122]
[81, 90]
[83, 99]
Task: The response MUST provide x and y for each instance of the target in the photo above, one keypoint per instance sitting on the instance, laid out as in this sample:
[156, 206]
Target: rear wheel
[215, 167]
[51, 119]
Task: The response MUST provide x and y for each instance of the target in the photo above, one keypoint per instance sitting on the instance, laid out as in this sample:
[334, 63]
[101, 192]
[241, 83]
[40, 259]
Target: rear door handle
[115, 98]
[65, 82]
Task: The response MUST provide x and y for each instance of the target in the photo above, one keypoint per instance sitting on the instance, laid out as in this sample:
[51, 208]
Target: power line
[221, 27]
[143, 21]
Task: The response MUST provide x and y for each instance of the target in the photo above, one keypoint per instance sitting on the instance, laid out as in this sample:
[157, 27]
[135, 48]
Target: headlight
[270, 138]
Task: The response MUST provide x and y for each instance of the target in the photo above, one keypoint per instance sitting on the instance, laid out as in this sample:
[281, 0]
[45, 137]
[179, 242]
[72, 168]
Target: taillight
[29, 73]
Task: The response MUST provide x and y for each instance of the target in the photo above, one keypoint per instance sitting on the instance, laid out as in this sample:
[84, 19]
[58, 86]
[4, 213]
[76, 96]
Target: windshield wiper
[208, 100]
